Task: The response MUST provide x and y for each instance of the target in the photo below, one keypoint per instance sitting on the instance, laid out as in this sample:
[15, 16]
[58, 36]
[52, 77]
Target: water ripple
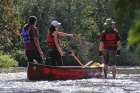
[18, 83]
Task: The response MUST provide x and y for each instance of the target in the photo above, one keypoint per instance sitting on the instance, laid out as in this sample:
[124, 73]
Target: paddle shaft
[88, 63]
[78, 60]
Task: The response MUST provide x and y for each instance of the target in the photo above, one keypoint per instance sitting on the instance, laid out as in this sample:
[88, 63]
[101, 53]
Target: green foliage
[124, 13]
[66, 11]
[8, 26]
[134, 37]
[134, 34]
[123, 10]
[7, 61]
[19, 56]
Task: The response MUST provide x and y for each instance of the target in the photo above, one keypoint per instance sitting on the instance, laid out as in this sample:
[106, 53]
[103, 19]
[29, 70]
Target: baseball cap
[108, 20]
[32, 19]
[55, 23]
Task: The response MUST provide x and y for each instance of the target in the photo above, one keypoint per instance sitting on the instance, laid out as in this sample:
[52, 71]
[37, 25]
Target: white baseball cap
[55, 23]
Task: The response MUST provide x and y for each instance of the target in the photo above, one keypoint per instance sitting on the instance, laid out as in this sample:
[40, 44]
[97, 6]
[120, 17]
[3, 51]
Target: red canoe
[41, 72]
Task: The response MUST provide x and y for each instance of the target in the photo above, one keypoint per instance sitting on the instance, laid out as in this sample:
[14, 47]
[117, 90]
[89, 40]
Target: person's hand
[71, 35]
[72, 53]
[62, 53]
[100, 53]
[118, 53]
[42, 56]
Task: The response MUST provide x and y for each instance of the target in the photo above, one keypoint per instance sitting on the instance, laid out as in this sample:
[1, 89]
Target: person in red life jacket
[109, 46]
[30, 35]
[55, 52]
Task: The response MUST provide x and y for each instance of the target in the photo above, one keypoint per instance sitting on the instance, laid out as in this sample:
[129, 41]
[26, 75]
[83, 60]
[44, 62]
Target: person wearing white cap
[55, 23]
[55, 52]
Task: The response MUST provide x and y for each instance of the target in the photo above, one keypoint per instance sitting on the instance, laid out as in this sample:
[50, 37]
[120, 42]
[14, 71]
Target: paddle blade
[96, 65]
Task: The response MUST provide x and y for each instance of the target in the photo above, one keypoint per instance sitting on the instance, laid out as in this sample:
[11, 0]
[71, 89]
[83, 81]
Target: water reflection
[125, 83]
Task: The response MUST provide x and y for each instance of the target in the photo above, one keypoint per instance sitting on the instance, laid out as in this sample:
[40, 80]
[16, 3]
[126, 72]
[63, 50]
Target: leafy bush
[134, 34]
[20, 57]
[134, 38]
[7, 61]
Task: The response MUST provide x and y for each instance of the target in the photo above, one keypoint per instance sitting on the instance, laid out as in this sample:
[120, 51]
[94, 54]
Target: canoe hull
[41, 72]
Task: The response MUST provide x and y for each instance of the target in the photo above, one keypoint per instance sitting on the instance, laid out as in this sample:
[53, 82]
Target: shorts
[54, 57]
[109, 57]
[33, 54]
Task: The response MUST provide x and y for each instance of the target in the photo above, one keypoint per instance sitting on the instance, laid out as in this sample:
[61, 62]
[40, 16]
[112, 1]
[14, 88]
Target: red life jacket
[110, 40]
[50, 40]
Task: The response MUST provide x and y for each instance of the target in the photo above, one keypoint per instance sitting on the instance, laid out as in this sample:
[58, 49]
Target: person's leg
[114, 71]
[37, 57]
[105, 70]
[105, 61]
[51, 57]
[113, 63]
[29, 56]
[59, 58]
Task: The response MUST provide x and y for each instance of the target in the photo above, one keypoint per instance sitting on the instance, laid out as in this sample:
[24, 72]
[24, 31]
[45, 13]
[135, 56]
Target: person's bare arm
[36, 41]
[119, 45]
[57, 44]
[101, 46]
[65, 34]
[118, 40]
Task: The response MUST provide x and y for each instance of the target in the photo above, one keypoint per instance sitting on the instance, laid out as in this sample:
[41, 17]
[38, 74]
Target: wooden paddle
[77, 60]
[75, 57]
[87, 64]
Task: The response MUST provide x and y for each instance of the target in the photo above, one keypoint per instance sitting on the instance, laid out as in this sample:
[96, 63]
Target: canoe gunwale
[63, 67]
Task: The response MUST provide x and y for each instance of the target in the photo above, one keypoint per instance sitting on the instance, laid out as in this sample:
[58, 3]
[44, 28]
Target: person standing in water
[109, 46]
[55, 52]
[30, 36]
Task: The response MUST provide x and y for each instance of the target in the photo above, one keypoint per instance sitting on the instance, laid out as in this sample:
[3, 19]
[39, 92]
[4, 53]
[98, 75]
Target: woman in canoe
[55, 52]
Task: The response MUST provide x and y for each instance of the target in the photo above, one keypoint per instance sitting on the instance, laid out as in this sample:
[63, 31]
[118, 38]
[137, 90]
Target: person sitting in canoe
[30, 36]
[55, 52]
[109, 46]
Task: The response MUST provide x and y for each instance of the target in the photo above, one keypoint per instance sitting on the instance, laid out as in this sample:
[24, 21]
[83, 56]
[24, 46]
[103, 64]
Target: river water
[127, 81]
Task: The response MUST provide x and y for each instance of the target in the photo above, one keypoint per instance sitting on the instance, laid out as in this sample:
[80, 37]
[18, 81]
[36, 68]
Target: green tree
[127, 13]
[8, 26]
